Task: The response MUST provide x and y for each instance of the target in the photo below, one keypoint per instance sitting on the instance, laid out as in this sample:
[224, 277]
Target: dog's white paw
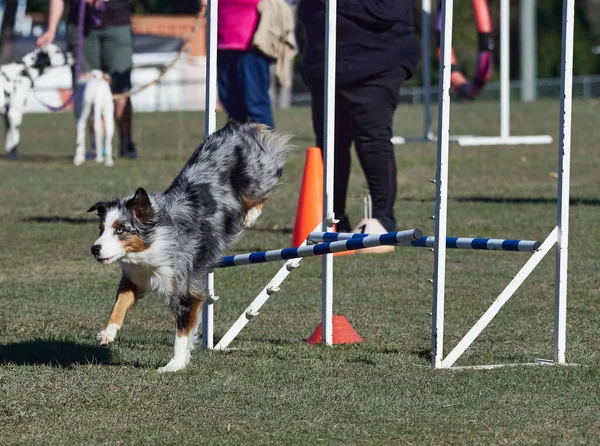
[99, 159]
[107, 335]
[172, 366]
[79, 160]
[109, 162]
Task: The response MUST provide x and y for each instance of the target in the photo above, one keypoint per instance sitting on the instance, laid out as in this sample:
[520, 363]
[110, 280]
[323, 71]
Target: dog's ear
[107, 77]
[69, 59]
[99, 207]
[140, 205]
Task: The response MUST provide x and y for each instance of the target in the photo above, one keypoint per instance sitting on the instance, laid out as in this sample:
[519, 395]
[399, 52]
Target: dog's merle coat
[169, 242]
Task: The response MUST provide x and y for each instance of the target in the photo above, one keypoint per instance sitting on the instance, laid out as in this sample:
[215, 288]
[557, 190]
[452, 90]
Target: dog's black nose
[96, 250]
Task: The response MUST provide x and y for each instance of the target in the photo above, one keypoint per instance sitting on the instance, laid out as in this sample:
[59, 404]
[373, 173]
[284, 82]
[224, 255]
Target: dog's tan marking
[133, 243]
[249, 203]
[195, 306]
[127, 295]
[130, 242]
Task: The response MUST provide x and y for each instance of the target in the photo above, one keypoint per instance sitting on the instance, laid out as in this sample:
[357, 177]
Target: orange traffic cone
[343, 333]
[309, 212]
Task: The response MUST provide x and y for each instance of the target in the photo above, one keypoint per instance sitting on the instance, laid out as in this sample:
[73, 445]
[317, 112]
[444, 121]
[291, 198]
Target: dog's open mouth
[107, 260]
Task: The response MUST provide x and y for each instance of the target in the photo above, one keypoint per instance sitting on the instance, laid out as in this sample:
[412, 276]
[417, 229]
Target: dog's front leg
[127, 295]
[187, 317]
[14, 118]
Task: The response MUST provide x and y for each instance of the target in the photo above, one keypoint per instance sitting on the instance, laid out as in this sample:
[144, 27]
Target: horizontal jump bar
[490, 244]
[349, 244]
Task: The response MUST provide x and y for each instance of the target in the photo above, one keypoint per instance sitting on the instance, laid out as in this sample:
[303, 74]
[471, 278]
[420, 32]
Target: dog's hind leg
[98, 131]
[127, 295]
[82, 117]
[109, 127]
[187, 317]
[252, 211]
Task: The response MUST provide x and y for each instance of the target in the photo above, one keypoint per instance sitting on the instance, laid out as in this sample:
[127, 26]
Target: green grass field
[58, 387]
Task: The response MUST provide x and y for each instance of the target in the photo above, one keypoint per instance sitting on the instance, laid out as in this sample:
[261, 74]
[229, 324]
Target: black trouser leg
[344, 134]
[372, 103]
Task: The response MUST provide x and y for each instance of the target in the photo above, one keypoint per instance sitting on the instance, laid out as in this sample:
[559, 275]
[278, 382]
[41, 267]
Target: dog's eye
[119, 231]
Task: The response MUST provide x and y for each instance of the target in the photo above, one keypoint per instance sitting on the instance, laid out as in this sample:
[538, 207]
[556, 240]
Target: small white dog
[16, 80]
[92, 93]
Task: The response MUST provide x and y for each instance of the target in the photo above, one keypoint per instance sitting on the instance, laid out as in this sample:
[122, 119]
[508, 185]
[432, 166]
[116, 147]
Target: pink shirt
[237, 22]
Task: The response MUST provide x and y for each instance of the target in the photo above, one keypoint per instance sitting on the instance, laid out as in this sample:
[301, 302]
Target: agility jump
[558, 236]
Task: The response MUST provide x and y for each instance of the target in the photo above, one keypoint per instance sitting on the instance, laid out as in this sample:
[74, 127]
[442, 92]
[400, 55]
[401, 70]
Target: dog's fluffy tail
[247, 158]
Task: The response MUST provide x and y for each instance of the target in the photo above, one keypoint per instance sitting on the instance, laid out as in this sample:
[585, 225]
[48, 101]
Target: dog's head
[101, 75]
[125, 227]
[48, 56]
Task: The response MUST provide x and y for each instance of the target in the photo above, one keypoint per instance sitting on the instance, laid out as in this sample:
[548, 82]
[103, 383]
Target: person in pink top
[242, 71]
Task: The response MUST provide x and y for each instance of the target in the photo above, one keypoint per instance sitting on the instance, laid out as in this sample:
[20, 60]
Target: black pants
[364, 113]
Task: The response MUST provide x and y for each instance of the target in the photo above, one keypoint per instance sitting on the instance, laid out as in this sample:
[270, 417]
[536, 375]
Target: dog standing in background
[169, 242]
[16, 81]
[93, 94]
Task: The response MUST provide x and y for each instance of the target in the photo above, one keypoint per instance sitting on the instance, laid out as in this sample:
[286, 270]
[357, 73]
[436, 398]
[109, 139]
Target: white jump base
[467, 141]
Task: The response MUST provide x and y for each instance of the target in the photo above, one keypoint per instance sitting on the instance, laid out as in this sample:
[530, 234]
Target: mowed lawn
[58, 387]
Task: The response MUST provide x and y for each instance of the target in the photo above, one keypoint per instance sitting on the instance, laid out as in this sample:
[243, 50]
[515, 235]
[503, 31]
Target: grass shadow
[53, 353]
[60, 219]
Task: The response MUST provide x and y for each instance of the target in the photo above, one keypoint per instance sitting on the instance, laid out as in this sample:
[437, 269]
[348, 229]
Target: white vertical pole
[426, 61]
[441, 204]
[504, 69]
[328, 153]
[564, 174]
[210, 125]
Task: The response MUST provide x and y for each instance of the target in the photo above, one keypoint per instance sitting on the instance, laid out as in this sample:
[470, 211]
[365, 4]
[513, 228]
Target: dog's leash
[78, 55]
[165, 68]
[186, 42]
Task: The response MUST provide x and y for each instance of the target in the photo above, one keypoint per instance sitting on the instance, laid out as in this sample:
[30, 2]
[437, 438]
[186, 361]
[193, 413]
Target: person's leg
[343, 141]
[116, 54]
[372, 104]
[254, 77]
[230, 94]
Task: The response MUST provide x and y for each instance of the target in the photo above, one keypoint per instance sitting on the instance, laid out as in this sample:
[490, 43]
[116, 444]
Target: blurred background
[159, 27]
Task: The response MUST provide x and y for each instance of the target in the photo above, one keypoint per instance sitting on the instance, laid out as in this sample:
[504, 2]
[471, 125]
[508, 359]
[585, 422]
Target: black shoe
[343, 225]
[12, 155]
[128, 150]
[388, 223]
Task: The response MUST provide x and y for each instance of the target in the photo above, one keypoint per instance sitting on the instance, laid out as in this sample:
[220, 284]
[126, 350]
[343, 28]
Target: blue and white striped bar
[489, 244]
[349, 244]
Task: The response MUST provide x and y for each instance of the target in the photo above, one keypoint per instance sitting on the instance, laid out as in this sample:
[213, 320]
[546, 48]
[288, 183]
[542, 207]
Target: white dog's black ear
[140, 205]
[99, 206]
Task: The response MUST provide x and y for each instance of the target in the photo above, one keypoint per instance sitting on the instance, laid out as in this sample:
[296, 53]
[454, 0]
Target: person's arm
[375, 11]
[54, 14]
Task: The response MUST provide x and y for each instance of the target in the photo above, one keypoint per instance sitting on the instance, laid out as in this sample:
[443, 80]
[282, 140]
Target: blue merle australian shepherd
[169, 242]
